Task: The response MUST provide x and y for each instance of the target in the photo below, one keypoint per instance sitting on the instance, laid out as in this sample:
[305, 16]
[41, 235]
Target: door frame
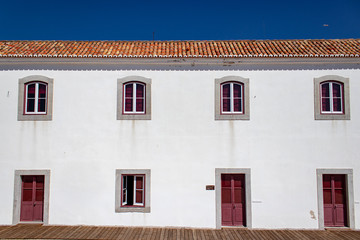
[349, 194]
[17, 194]
[246, 172]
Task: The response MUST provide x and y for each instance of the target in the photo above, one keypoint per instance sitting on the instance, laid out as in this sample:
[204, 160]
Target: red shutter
[32, 198]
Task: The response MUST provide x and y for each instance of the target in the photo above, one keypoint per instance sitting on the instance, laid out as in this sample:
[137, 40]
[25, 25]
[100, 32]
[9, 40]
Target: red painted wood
[233, 200]
[32, 198]
[335, 204]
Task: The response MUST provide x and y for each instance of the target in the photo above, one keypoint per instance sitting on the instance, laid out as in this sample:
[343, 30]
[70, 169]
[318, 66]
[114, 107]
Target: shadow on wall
[185, 64]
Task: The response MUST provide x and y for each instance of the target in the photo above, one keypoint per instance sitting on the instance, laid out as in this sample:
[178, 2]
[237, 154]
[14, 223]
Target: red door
[32, 198]
[233, 200]
[335, 208]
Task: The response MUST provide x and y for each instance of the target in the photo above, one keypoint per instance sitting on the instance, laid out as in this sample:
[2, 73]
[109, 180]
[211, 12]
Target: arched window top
[35, 98]
[232, 98]
[134, 98]
[332, 100]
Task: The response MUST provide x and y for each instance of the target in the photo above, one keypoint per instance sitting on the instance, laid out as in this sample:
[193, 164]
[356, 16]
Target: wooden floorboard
[27, 231]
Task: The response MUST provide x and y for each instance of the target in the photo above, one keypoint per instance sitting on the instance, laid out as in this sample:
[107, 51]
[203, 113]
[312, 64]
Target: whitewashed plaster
[182, 144]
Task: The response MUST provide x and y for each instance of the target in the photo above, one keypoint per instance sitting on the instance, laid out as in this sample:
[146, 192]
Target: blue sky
[178, 20]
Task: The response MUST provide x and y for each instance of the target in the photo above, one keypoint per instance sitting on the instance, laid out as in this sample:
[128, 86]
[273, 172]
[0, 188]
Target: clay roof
[196, 49]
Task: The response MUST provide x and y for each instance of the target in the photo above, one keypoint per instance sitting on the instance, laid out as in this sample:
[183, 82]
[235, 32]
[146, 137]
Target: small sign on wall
[210, 187]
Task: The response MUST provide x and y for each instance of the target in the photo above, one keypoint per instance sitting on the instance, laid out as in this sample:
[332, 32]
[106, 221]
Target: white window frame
[36, 98]
[23, 115]
[125, 201]
[146, 174]
[331, 97]
[134, 98]
[232, 98]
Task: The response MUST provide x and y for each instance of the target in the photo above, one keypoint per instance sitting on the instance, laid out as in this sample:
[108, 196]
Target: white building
[262, 134]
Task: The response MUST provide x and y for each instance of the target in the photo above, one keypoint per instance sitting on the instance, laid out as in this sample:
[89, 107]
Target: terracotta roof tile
[212, 49]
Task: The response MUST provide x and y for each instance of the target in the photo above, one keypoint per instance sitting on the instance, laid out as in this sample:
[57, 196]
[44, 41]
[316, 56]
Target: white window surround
[118, 193]
[22, 116]
[318, 114]
[245, 98]
[121, 114]
[247, 173]
[17, 194]
[349, 194]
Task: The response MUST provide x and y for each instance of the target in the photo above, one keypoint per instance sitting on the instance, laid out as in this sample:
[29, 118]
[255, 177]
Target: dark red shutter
[233, 200]
[32, 198]
[335, 202]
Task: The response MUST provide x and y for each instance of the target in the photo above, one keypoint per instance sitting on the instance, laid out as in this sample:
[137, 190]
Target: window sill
[132, 209]
[332, 116]
[34, 117]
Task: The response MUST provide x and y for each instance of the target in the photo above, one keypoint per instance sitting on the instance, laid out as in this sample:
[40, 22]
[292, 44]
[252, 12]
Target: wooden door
[32, 198]
[335, 202]
[233, 200]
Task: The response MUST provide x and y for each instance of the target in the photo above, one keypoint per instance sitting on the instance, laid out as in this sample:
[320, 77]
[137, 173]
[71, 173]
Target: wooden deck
[24, 231]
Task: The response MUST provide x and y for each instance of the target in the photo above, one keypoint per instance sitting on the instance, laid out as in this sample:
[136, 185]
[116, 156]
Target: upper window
[134, 98]
[332, 98]
[232, 98]
[132, 190]
[35, 98]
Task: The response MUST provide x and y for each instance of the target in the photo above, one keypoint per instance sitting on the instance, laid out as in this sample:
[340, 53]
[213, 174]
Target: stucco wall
[182, 144]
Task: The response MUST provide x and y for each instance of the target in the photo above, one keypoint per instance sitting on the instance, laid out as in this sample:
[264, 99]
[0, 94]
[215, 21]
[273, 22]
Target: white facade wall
[182, 144]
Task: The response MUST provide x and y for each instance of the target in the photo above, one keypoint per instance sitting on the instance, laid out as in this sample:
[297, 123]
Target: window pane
[325, 90]
[139, 196]
[128, 105]
[42, 90]
[30, 105]
[139, 105]
[327, 196]
[139, 90]
[42, 105]
[129, 90]
[237, 105]
[325, 104]
[237, 91]
[226, 105]
[337, 105]
[226, 90]
[31, 90]
[336, 90]
[27, 195]
[225, 195]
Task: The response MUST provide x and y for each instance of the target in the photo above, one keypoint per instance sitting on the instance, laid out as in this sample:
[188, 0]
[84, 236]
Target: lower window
[132, 190]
